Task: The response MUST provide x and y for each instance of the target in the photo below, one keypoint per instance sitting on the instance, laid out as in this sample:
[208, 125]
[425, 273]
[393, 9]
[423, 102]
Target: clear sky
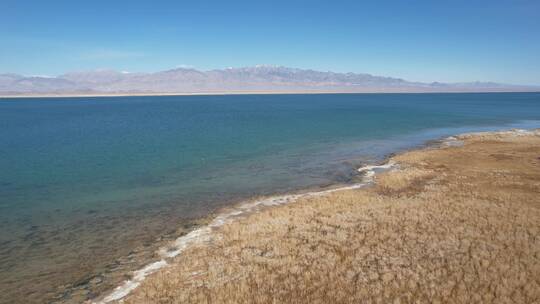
[417, 40]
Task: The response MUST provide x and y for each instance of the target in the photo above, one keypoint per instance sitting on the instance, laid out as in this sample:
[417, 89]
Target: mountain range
[262, 79]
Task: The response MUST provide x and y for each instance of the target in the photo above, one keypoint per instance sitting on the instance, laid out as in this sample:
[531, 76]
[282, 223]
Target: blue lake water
[85, 182]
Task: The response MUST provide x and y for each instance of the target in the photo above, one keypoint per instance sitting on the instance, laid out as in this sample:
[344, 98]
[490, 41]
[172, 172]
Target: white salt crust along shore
[512, 132]
[457, 140]
[204, 234]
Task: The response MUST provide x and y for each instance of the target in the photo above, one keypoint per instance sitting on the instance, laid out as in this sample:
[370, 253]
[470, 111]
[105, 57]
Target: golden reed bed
[458, 224]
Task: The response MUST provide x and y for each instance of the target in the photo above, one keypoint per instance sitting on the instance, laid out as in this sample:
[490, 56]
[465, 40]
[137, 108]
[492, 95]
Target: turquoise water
[86, 181]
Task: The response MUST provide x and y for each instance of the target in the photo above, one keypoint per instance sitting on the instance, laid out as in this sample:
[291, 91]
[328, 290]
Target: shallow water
[89, 185]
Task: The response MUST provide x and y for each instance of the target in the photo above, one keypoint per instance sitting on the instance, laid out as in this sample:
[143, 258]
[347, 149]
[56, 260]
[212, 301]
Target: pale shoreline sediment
[201, 236]
[260, 92]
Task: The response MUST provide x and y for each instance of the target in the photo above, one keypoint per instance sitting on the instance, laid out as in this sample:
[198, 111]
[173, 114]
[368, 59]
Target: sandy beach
[458, 223]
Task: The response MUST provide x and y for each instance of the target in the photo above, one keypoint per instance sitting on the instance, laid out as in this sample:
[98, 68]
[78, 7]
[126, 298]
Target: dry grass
[454, 225]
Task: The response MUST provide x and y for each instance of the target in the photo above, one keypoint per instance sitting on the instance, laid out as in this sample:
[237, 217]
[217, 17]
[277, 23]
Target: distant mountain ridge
[268, 79]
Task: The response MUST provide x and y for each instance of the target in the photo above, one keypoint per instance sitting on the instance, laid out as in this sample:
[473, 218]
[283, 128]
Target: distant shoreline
[232, 81]
[76, 95]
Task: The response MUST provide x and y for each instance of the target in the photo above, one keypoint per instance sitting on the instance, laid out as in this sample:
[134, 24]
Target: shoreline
[244, 209]
[228, 214]
[226, 93]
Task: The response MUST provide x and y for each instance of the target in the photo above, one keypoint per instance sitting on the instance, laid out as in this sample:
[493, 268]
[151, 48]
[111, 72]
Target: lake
[91, 186]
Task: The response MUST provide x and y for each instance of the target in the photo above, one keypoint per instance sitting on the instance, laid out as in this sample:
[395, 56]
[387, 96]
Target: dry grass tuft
[454, 225]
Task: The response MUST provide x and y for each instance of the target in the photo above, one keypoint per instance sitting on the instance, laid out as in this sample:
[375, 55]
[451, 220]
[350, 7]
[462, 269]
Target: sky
[417, 40]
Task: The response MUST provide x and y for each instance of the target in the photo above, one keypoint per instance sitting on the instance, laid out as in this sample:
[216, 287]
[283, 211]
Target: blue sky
[417, 40]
